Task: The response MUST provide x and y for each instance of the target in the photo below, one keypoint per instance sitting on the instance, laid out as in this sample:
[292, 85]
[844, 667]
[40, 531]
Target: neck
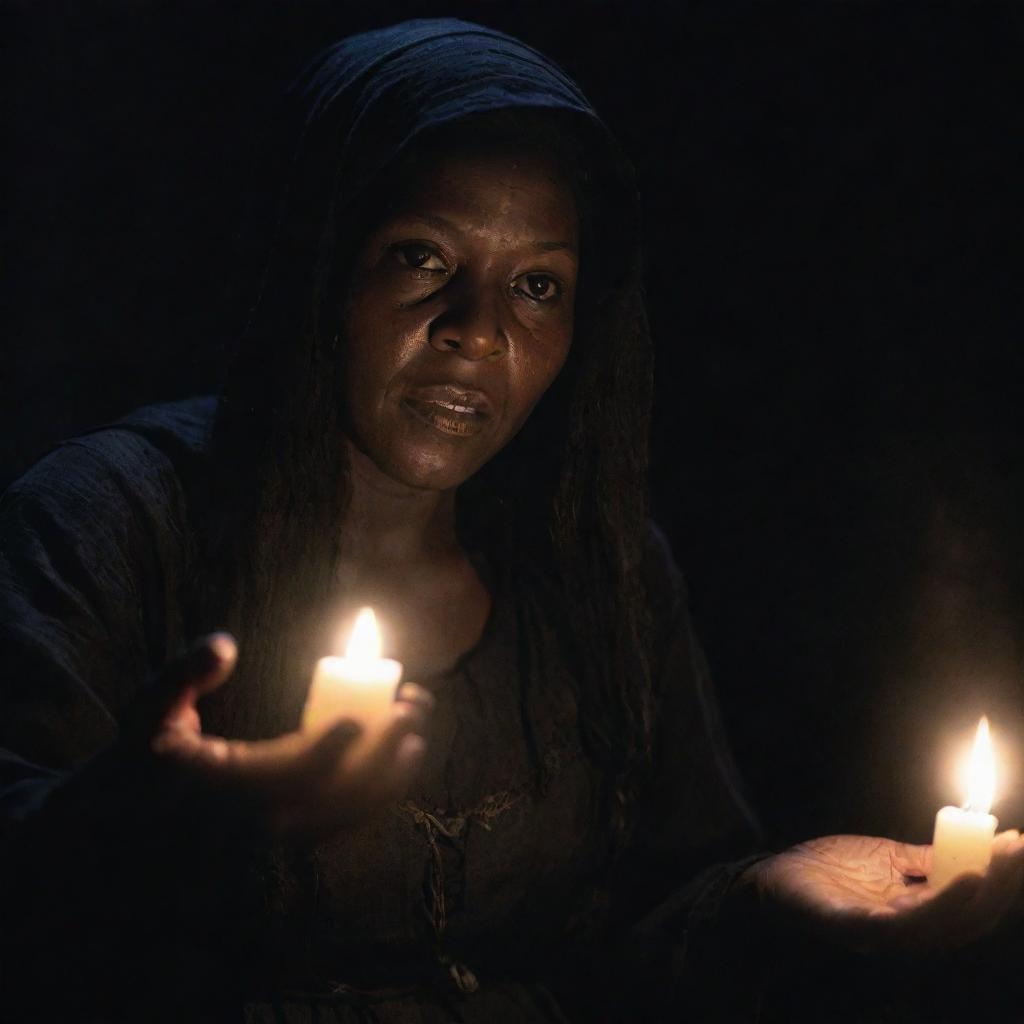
[387, 522]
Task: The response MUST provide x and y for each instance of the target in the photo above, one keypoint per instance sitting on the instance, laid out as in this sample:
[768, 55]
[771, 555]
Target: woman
[439, 408]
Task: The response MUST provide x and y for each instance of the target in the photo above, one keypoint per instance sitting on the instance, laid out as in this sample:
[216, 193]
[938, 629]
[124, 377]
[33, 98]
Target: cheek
[552, 353]
[538, 372]
[379, 342]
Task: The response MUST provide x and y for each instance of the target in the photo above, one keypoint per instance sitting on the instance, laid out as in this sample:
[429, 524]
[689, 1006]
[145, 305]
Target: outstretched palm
[871, 893]
[296, 784]
[848, 875]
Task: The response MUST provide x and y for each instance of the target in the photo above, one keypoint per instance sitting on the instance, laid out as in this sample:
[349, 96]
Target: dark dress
[487, 895]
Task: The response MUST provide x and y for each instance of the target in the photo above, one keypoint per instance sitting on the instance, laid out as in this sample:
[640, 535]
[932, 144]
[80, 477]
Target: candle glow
[364, 643]
[981, 772]
[359, 686]
[963, 835]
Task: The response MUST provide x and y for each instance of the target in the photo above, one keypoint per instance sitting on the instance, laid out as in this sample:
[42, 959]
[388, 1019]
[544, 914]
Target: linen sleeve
[98, 850]
[80, 587]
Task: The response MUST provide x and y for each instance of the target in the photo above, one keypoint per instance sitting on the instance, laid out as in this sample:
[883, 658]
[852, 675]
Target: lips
[450, 408]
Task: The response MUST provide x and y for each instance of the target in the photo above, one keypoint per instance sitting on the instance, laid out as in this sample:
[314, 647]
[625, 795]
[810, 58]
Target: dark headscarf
[279, 476]
[377, 91]
[365, 101]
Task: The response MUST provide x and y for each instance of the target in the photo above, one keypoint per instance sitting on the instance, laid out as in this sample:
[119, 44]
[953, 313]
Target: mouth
[451, 410]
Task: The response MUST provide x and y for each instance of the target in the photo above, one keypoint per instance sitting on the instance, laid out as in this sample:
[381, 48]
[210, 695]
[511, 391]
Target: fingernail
[411, 693]
[223, 645]
[410, 750]
[211, 653]
[215, 748]
[406, 711]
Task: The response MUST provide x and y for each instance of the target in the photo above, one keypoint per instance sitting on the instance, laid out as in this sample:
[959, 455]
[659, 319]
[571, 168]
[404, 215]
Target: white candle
[963, 835]
[360, 686]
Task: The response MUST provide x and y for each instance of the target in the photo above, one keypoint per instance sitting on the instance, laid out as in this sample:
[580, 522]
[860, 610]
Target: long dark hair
[564, 502]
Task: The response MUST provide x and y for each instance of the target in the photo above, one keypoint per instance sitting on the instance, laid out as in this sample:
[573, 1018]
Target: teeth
[457, 408]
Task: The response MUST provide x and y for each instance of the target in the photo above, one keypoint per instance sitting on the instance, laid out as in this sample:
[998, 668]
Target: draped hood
[361, 103]
[278, 477]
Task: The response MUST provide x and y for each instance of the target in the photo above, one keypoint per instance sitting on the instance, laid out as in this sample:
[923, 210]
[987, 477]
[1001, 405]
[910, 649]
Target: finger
[1001, 884]
[176, 741]
[170, 696]
[201, 669]
[411, 693]
[291, 759]
[206, 663]
[328, 751]
[393, 778]
[390, 763]
[921, 919]
[1005, 841]
[914, 897]
[192, 747]
[913, 861]
[946, 919]
[219, 663]
[1016, 897]
[280, 780]
[410, 753]
[405, 718]
[325, 788]
[958, 893]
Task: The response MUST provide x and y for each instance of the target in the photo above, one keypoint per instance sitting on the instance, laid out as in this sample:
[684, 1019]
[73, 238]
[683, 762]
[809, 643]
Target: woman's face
[459, 313]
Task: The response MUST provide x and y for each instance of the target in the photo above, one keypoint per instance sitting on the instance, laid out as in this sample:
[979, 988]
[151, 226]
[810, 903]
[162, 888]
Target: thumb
[913, 861]
[184, 679]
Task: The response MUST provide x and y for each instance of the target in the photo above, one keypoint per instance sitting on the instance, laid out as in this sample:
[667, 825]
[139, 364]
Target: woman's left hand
[871, 894]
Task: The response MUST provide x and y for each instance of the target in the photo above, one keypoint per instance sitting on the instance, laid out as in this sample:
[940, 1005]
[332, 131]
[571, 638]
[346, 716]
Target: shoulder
[102, 522]
[179, 429]
[95, 546]
[135, 464]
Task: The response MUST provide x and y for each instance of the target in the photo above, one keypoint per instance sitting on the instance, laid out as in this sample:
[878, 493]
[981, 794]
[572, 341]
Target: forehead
[478, 188]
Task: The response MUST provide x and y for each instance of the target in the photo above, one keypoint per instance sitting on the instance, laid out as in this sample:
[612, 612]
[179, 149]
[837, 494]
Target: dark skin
[457, 318]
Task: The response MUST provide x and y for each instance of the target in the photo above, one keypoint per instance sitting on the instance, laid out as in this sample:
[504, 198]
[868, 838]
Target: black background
[833, 208]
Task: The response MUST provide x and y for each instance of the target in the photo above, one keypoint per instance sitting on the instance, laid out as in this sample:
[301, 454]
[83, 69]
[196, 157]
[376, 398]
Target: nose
[471, 324]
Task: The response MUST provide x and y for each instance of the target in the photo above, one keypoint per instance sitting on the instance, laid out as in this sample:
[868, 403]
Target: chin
[422, 458]
[430, 470]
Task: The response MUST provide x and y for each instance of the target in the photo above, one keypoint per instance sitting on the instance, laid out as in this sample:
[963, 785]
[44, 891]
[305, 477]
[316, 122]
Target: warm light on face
[981, 772]
[364, 643]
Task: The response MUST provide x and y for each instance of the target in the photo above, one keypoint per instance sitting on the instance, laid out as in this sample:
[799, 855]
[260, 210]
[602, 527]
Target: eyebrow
[555, 247]
[443, 224]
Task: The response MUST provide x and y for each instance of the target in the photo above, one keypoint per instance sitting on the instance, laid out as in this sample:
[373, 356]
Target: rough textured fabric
[491, 893]
[480, 897]
[358, 107]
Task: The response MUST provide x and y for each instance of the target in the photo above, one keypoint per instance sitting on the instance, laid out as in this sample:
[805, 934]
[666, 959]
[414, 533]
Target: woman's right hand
[299, 785]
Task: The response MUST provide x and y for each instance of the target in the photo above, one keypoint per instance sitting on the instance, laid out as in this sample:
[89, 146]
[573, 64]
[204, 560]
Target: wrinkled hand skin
[300, 786]
[871, 894]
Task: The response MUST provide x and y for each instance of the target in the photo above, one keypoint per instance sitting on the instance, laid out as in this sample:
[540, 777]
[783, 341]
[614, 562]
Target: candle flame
[364, 643]
[981, 772]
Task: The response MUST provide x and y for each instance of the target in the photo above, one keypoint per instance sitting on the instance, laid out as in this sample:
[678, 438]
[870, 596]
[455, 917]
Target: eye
[419, 256]
[537, 286]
